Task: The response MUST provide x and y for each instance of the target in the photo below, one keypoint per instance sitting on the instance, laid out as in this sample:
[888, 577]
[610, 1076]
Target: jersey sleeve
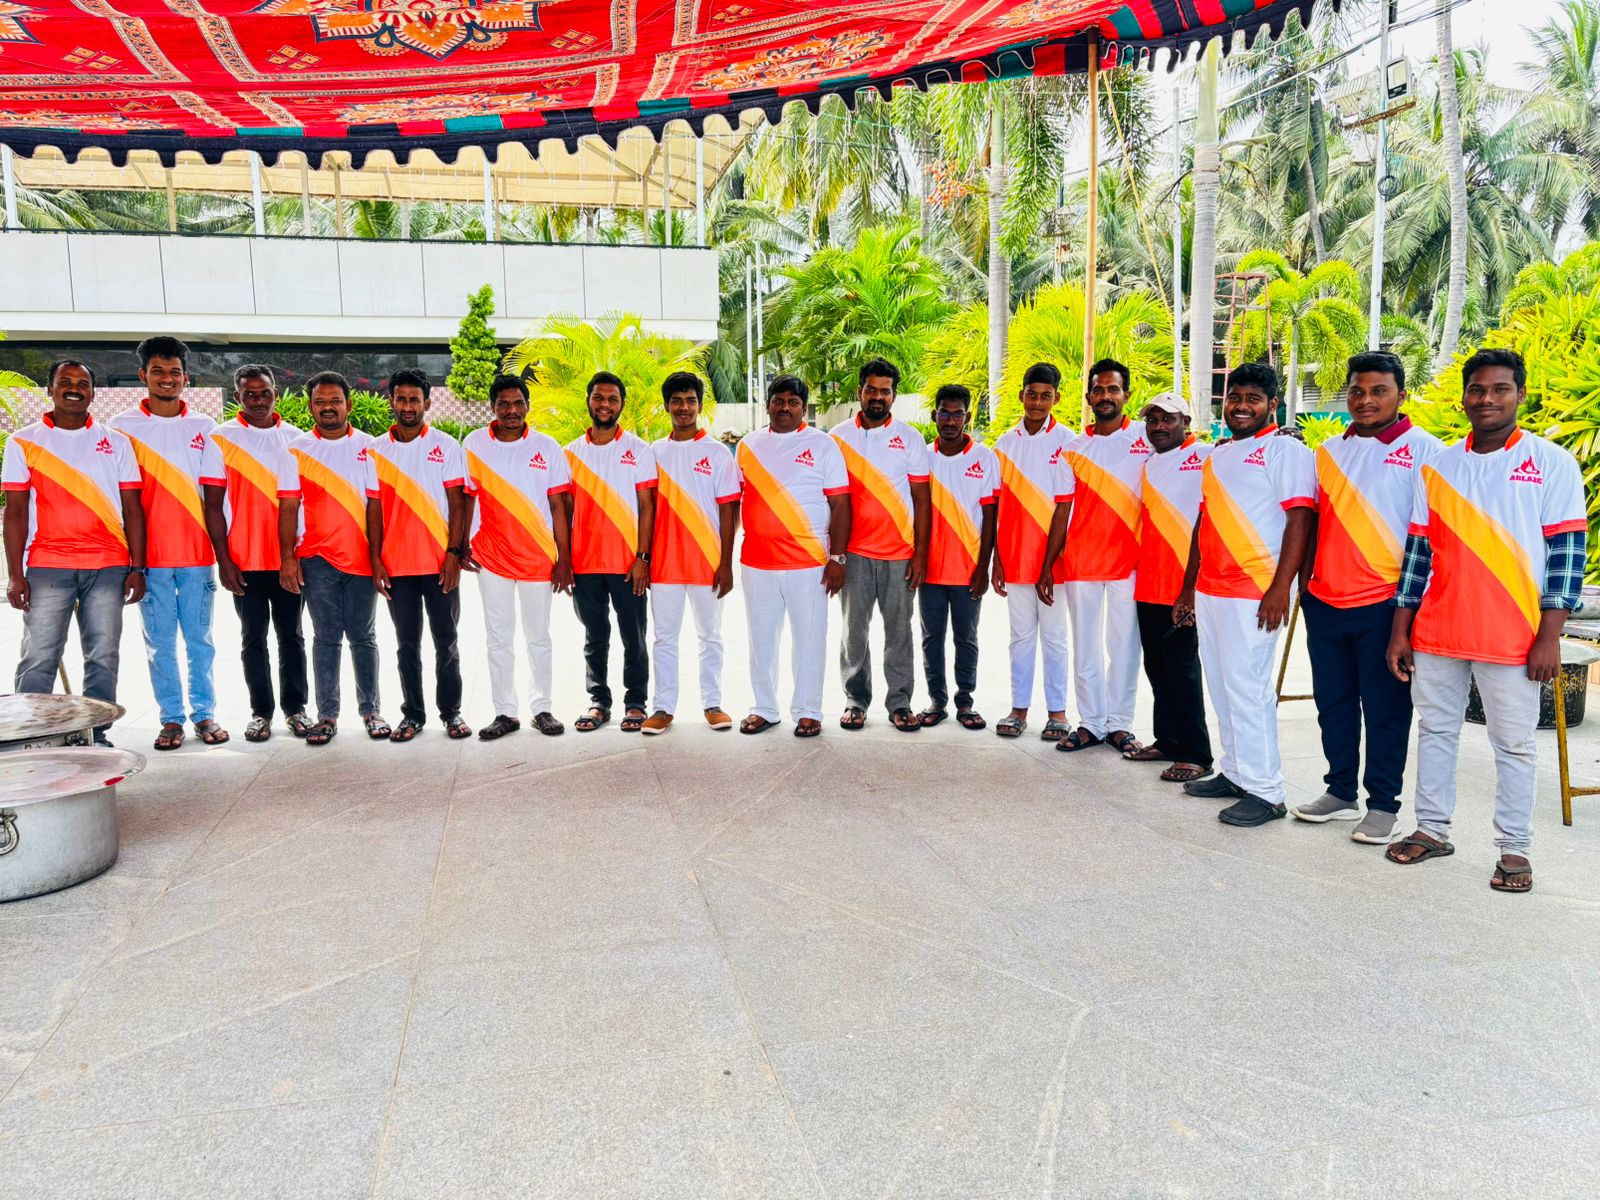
[1063, 480]
[455, 463]
[1561, 504]
[1293, 472]
[129, 477]
[646, 476]
[835, 476]
[212, 472]
[991, 472]
[14, 473]
[918, 466]
[1419, 506]
[288, 474]
[369, 472]
[560, 468]
[725, 477]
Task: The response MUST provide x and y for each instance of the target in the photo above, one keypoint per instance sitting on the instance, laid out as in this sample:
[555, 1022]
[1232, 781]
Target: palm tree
[563, 352]
[1455, 171]
[1316, 315]
[1566, 79]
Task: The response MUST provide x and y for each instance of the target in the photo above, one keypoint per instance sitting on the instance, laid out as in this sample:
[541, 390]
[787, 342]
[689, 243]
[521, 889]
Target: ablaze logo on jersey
[361, 454]
[1256, 457]
[628, 459]
[804, 459]
[1400, 458]
[198, 442]
[1139, 446]
[703, 467]
[896, 443]
[1056, 457]
[1528, 472]
[103, 446]
[436, 455]
[1193, 463]
[975, 471]
[537, 463]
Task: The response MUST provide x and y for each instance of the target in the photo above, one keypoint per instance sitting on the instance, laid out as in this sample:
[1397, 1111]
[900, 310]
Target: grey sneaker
[1327, 807]
[1376, 829]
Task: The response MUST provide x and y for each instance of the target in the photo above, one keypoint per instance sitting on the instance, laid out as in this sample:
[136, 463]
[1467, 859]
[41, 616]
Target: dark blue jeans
[54, 594]
[944, 606]
[1353, 687]
[342, 609]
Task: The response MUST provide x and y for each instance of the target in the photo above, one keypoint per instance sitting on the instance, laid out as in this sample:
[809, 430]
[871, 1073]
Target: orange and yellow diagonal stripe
[782, 505]
[74, 483]
[1113, 492]
[1489, 540]
[173, 481]
[246, 466]
[691, 516]
[1026, 492]
[338, 488]
[1171, 525]
[410, 493]
[624, 514]
[1236, 531]
[1367, 531]
[956, 516]
[511, 498]
[880, 488]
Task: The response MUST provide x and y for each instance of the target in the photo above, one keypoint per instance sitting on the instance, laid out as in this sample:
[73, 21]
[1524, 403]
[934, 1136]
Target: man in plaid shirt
[1494, 562]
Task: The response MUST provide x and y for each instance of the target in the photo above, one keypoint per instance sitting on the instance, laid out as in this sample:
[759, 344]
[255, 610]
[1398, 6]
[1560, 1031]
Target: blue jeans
[55, 592]
[180, 598]
[343, 608]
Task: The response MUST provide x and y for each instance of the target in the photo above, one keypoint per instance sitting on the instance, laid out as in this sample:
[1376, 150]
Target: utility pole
[749, 342]
[1091, 273]
[1177, 242]
[1203, 274]
[1380, 169]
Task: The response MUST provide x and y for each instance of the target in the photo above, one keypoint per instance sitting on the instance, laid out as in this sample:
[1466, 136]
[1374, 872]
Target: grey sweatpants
[870, 582]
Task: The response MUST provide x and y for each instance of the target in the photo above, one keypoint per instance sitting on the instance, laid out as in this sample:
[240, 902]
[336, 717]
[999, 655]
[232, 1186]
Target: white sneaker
[1327, 807]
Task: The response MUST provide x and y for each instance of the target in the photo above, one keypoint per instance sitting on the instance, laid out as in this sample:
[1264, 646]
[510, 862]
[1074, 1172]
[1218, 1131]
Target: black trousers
[594, 596]
[941, 606]
[1172, 665]
[265, 600]
[410, 596]
[1353, 687]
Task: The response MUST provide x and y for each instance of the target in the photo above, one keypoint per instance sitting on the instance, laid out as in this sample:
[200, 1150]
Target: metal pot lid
[25, 715]
[32, 776]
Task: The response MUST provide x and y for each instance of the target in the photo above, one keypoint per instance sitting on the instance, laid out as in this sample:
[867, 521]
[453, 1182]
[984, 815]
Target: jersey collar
[1516, 436]
[424, 432]
[277, 419]
[1090, 430]
[1269, 431]
[49, 421]
[887, 421]
[494, 431]
[144, 407]
[1390, 435]
[1049, 424]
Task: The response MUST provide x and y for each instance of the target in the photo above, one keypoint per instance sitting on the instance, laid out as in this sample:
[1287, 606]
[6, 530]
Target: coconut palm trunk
[999, 264]
[1203, 269]
[1455, 169]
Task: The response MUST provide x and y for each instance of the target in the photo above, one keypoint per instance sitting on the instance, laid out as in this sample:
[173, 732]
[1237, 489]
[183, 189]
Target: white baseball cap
[1168, 402]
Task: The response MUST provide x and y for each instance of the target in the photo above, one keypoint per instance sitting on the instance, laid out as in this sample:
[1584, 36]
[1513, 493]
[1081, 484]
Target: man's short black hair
[254, 371]
[163, 346]
[683, 381]
[1379, 362]
[1259, 374]
[953, 391]
[50, 376]
[600, 377]
[1495, 358]
[333, 377]
[789, 383]
[1042, 372]
[411, 377]
[1110, 364]
[505, 383]
[880, 367]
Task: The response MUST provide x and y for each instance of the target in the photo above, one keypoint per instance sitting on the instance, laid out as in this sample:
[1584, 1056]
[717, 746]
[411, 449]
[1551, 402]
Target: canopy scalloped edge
[1061, 56]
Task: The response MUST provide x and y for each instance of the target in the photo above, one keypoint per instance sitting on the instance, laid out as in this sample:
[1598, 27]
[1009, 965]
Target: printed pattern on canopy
[319, 75]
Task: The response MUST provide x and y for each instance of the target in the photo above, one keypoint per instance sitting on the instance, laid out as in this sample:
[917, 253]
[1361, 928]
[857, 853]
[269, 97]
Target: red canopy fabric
[319, 75]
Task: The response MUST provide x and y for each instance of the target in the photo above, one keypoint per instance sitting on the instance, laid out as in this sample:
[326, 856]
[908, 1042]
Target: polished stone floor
[870, 965]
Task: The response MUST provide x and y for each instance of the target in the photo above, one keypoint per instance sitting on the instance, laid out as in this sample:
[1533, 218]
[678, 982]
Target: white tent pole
[488, 200]
[255, 195]
[761, 335]
[666, 190]
[8, 169]
[1177, 242]
[700, 190]
[749, 343]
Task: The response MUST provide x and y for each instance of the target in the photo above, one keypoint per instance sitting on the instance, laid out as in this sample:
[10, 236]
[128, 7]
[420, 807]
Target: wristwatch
[643, 556]
[458, 551]
[836, 558]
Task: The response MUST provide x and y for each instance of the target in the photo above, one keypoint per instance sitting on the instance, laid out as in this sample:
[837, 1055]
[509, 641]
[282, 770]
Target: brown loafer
[656, 722]
[718, 720]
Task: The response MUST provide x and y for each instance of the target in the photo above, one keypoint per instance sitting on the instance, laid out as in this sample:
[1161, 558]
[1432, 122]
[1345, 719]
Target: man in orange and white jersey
[519, 496]
[613, 524]
[421, 475]
[1257, 497]
[1494, 562]
[888, 552]
[74, 534]
[1034, 510]
[1364, 490]
[261, 473]
[796, 510]
[691, 554]
[964, 491]
[1169, 498]
[332, 558]
[186, 532]
[1102, 551]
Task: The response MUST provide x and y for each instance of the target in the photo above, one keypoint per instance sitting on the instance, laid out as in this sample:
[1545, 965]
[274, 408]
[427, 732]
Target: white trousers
[1034, 623]
[1511, 711]
[1105, 653]
[1238, 660]
[501, 599]
[769, 597]
[667, 601]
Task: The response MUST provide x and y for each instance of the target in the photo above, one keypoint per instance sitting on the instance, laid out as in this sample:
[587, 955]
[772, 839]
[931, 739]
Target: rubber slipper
[755, 724]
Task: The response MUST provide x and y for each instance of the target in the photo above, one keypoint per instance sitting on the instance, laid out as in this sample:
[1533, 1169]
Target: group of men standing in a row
[1418, 565]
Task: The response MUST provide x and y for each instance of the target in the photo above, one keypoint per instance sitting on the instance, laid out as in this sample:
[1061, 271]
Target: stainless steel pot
[29, 720]
[58, 816]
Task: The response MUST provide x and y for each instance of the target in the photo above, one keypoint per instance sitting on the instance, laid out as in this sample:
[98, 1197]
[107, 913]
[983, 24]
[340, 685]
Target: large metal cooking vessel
[29, 720]
[58, 816]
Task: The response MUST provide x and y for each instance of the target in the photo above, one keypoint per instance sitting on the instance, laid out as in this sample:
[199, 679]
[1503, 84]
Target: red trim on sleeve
[450, 483]
[374, 494]
[1417, 530]
[844, 491]
[917, 478]
[134, 486]
[1295, 502]
[1566, 527]
[991, 498]
[730, 498]
[644, 483]
[283, 495]
[1067, 499]
[23, 487]
[212, 482]
[556, 491]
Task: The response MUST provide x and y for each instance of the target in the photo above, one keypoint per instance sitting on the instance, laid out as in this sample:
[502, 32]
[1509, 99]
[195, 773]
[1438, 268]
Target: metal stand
[1288, 645]
[1567, 790]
